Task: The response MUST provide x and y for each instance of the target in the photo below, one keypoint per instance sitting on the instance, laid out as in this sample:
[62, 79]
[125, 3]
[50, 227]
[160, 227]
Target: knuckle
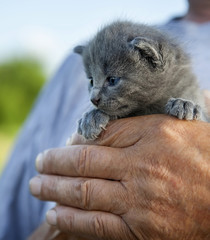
[68, 223]
[85, 189]
[83, 161]
[98, 225]
[164, 128]
[168, 131]
[86, 154]
[65, 222]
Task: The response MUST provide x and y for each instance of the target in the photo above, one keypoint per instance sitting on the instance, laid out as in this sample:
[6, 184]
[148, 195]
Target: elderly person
[151, 184]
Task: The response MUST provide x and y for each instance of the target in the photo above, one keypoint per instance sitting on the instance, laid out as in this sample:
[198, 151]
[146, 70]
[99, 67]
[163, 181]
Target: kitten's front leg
[92, 124]
[184, 109]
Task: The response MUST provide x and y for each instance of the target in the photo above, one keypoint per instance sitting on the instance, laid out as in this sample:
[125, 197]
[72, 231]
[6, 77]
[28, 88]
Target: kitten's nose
[95, 101]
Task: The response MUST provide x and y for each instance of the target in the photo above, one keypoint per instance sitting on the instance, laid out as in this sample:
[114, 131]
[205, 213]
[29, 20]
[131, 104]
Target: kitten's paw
[92, 124]
[183, 109]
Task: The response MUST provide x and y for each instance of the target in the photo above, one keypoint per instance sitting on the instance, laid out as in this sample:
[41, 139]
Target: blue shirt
[53, 119]
[195, 39]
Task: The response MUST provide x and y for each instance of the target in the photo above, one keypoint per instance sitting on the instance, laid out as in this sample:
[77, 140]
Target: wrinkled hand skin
[146, 178]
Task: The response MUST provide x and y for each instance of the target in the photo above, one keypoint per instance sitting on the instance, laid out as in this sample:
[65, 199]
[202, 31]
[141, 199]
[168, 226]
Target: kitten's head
[123, 64]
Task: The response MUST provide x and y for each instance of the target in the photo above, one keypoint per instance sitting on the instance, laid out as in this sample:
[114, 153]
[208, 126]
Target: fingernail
[35, 186]
[46, 151]
[69, 141]
[51, 217]
[39, 163]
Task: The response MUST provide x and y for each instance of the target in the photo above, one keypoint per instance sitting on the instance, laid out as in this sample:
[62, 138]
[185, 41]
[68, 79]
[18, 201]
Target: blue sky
[49, 29]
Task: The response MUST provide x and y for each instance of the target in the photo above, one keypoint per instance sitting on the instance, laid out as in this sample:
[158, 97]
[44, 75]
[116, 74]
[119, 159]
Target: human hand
[44, 232]
[207, 100]
[152, 183]
[48, 232]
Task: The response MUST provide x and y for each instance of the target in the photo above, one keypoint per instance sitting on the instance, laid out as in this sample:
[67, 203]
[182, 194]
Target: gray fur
[155, 77]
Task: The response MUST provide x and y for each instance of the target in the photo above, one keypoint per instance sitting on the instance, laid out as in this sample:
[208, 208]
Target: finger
[44, 232]
[207, 100]
[83, 161]
[77, 139]
[122, 132]
[65, 236]
[93, 224]
[114, 136]
[60, 236]
[83, 193]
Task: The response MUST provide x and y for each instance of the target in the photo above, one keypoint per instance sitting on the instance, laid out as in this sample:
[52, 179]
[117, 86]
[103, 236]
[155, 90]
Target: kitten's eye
[91, 81]
[113, 80]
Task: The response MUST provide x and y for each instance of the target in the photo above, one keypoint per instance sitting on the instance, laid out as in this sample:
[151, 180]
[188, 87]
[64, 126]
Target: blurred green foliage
[20, 82]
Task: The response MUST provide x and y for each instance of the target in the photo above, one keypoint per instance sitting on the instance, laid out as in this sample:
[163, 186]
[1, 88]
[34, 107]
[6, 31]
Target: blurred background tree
[20, 82]
[50, 39]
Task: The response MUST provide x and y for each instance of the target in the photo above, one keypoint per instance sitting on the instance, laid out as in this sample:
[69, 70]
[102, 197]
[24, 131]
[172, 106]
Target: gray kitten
[133, 70]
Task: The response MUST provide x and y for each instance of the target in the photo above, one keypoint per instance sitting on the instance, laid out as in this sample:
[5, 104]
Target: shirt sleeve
[52, 120]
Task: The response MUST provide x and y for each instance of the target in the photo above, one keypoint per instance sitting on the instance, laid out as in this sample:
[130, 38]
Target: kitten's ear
[79, 49]
[149, 50]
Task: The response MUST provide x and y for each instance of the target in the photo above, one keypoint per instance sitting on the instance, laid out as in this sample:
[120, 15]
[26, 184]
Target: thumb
[123, 132]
